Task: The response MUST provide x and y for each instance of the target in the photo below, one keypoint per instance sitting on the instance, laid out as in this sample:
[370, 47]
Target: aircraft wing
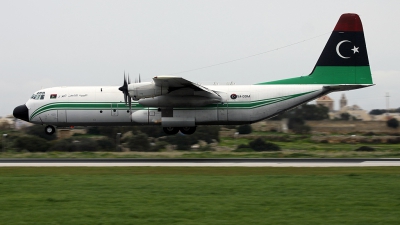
[175, 83]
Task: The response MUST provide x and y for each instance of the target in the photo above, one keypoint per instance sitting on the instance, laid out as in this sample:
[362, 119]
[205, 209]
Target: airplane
[177, 104]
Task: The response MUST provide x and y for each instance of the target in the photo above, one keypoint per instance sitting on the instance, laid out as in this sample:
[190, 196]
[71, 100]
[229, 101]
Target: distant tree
[184, 142]
[365, 149]
[84, 145]
[313, 112]
[139, 142]
[298, 126]
[393, 123]
[106, 144]
[377, 111]
[244, 129]
[159, 145]
[93, 130]
[75, 145]
[295, 121]
[152, 131]
[110, 131]
[4, 125]
[345, 116]
[306, 112]
[301, 129]
[260, 145]
[32, 143]
[63, 145]
[206, 133]
[243, 148]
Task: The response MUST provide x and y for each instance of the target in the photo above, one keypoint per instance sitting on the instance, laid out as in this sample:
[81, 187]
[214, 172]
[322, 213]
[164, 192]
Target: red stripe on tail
[349, 22]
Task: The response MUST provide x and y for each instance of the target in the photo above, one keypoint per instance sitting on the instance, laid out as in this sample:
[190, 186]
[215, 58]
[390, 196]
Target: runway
[242, 162]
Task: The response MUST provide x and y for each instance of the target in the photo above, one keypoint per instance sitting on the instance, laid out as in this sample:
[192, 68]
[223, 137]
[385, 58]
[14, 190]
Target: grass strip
[204, 195]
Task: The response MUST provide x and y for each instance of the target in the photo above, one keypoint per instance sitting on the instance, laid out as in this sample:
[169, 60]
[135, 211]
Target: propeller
[124, 89]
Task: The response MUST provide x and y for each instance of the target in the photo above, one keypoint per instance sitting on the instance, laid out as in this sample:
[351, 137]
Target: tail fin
[344, 59]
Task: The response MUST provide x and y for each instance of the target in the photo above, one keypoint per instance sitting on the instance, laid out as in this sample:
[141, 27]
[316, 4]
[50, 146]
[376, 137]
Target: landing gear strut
[49, 129]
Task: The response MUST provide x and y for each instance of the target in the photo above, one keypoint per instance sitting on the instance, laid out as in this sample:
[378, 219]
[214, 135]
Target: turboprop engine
[145, 90]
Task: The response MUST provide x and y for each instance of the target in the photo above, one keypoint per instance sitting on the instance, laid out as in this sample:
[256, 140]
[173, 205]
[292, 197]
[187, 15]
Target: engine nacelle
[178, 101]
[145, 90]
[146, 116]
[154, 117]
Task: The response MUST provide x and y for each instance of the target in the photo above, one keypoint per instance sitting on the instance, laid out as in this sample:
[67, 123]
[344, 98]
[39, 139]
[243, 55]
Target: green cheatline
[332, 75]
[108, 105]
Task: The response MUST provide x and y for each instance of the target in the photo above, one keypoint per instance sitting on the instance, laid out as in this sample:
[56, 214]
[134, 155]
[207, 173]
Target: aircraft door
[114, 109]
[62, 116]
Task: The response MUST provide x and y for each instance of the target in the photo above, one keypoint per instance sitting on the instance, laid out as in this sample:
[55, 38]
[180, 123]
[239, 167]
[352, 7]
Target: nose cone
[21, 112]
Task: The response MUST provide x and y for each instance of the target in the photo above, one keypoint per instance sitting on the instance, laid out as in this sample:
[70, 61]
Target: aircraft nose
[21, 112]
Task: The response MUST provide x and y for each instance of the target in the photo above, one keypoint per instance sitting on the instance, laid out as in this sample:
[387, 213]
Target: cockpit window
[39, 95]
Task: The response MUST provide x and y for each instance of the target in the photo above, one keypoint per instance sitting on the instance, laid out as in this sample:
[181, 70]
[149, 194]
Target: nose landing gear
[49, 129]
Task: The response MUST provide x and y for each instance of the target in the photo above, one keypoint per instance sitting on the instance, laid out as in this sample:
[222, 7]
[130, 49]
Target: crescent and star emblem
[354, 49]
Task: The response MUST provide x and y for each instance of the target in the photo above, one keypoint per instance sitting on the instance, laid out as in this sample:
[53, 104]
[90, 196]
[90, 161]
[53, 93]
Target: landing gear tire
[171, 130]
[187, 130]
[49, 130]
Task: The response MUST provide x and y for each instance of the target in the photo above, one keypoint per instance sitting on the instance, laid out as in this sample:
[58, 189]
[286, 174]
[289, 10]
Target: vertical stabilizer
[344, 59]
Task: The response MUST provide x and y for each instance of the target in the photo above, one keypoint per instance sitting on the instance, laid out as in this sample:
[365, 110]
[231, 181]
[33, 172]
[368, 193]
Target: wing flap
[173, 83]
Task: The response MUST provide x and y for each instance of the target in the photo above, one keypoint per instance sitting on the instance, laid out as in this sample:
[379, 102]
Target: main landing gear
[187, 130]
[175, 130]
[49, 129]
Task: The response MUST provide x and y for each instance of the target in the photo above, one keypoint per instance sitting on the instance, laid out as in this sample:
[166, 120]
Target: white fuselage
[104, 105]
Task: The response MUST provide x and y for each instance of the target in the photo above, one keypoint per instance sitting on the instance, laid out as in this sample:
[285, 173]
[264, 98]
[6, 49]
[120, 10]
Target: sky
[84, 43]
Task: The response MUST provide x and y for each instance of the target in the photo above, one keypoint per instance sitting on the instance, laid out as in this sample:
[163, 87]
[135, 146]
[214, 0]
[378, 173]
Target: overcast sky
[82, 43]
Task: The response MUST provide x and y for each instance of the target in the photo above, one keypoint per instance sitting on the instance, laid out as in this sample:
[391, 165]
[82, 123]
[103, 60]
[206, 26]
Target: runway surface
[243, 162]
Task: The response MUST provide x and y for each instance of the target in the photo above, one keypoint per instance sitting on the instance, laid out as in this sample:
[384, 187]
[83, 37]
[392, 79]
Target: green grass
[146, 195]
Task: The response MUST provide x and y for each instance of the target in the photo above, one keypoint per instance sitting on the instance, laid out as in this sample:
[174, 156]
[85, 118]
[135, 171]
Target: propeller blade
[139, 79]
[124, 79]
[130, 105]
